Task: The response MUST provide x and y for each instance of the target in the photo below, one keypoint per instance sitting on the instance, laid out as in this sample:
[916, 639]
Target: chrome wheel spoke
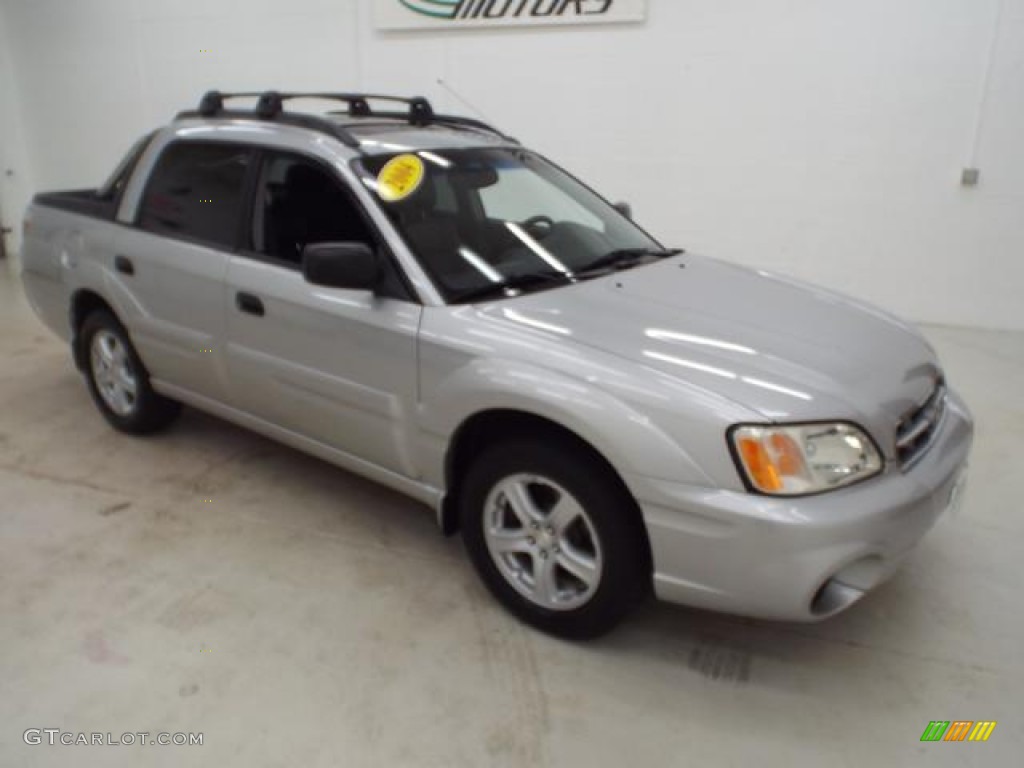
[100, 362]
[579, 565]
[121, 403]
[511, 543]
[544, 581]
[565, 512]
[126, 381]
[518, 496]
[101, 373]
[105, 349]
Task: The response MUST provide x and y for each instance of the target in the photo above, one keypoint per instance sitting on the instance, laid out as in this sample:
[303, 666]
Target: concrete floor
[209, 580]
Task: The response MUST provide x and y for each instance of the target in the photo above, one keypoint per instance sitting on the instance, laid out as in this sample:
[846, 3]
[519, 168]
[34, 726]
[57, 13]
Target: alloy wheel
[542, 542]
[112, 371]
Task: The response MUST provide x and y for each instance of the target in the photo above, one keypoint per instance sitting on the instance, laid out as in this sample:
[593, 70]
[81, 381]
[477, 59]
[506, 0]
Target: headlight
[798, 459]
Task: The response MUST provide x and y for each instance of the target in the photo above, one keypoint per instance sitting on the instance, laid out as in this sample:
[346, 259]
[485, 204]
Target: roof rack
[270, 106]
[454, 121]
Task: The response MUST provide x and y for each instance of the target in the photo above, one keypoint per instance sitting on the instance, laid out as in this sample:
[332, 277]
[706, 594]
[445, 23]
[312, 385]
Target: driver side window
[299, 202]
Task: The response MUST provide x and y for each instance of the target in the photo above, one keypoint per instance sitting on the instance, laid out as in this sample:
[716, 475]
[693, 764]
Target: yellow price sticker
[400, 178]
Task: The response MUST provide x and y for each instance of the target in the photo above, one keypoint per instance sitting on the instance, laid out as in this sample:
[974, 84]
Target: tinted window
[196, 191]
[299, 202]
[114, 186]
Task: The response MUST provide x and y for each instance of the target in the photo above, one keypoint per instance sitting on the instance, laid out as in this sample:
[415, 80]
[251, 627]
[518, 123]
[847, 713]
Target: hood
[784, 349]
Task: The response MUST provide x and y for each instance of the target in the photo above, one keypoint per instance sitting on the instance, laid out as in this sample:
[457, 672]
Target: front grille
[916, 430]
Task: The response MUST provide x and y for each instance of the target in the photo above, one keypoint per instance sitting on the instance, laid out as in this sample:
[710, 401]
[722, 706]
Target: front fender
[627, 438]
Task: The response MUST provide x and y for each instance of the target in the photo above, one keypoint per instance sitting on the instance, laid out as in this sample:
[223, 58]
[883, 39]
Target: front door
[337, 366]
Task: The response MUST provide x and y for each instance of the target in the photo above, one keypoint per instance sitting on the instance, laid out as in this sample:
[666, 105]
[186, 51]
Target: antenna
[462, 99]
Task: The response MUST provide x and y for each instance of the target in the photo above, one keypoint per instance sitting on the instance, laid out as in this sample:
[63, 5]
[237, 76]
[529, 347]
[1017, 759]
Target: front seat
[315, 209]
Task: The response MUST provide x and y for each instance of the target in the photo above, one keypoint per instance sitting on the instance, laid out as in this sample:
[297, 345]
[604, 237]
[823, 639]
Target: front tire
[555, 538]
[118, 381]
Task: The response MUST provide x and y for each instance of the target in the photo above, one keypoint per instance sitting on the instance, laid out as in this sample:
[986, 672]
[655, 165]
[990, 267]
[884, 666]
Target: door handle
[248, 303]
[124, 265]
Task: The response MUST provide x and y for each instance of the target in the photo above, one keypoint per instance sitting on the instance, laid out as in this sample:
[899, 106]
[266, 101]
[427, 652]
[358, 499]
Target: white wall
[15, 180]
[822, 139]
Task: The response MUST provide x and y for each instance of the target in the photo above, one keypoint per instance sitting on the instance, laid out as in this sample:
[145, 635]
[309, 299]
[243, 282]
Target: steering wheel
[538, 227]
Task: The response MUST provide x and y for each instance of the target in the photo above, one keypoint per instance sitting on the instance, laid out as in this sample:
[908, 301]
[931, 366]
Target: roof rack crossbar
[270, 106]
[421, 112]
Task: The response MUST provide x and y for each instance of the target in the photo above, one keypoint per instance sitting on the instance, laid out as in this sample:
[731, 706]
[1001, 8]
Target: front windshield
[489, 217]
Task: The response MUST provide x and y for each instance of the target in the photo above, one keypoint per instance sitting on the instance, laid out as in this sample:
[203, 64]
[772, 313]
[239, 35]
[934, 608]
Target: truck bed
[85, 202]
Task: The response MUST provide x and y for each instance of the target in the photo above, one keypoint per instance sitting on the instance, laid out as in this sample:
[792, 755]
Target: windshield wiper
[624, 258]
[513, 282]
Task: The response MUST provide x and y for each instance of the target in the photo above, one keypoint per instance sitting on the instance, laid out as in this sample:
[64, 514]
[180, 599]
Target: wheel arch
[84, 302]
[494, 425]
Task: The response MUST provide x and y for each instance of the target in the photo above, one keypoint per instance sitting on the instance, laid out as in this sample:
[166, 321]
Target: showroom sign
[468, 14]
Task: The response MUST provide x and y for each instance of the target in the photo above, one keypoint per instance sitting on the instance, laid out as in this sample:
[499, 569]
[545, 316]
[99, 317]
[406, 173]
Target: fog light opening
[833, 597]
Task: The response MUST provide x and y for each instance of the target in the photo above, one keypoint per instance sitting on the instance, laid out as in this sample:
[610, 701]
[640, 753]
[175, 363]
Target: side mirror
[341, 265]
[625, 209]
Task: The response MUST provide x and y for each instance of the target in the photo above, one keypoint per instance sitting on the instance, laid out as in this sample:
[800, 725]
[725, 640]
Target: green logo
[935, 731]
[439, 9]
[959, 730]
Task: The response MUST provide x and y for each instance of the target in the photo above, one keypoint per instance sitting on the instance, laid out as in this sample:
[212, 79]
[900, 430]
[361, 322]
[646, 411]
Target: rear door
[170, 266]
[337, 366]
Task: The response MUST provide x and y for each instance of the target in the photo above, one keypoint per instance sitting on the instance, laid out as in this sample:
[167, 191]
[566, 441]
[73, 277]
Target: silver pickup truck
[420, 299]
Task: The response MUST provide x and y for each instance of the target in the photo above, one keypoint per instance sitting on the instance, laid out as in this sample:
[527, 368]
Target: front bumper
[798, 559]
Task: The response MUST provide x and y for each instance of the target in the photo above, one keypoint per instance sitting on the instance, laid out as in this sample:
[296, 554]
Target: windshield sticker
[400, 178]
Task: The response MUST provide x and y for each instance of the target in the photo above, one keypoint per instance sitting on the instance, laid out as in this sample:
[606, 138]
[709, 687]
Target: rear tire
[556, 539]
[118, 381]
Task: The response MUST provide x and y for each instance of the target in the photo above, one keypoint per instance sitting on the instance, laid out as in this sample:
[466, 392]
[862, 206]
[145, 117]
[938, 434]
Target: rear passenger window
[195, 191]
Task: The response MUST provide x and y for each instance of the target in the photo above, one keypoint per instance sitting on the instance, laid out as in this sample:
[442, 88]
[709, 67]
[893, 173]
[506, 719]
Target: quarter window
[195, 191]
